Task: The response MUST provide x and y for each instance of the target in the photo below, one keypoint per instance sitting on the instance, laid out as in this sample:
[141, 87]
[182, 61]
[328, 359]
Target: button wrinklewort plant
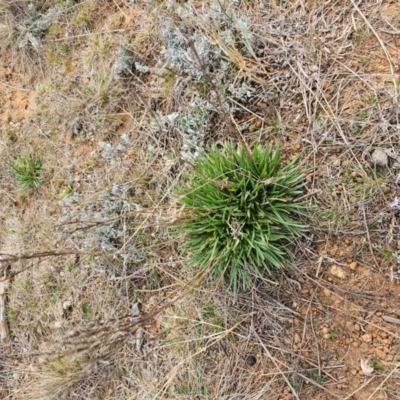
[240, 205]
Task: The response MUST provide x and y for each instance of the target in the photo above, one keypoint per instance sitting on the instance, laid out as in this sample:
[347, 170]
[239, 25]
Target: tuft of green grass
[315, 377]
[27, 172]
[361, 34]
[331, 335]
[240, 207]
[377, 365]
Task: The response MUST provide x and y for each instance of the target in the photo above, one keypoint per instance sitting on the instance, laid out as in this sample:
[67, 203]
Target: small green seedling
[377, 365]
[331, 335]
[315, 377]
[27, 172]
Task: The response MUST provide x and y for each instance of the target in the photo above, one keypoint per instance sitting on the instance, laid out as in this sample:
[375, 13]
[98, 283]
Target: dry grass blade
[387, 54]
[117, 99]
[171, 376]
[4, 282]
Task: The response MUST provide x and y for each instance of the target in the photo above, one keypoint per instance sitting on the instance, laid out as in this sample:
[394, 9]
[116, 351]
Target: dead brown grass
[98, 305]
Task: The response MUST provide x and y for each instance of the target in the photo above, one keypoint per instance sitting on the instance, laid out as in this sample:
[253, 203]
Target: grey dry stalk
[4, 282]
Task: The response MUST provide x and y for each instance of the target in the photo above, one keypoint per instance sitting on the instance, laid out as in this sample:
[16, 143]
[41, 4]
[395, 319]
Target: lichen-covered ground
[116, 98]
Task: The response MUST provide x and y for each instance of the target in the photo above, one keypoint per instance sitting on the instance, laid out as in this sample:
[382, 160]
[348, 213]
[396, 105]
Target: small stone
[57, 325]
[337, 271]
[380, 354]
[327, 292]
[325, 330]
[353, 265]
[297, 338]
[252, 128]
[251, 360]
[296, 321]
[67, 305]
[355, 344]
[327, 336]
[135, 309]
[354, 174]
[367, 338]
[354, 372]
[349, 324]
[380, 158]
[353, 200]
[366, 369]
[357, 327]
[389, 357]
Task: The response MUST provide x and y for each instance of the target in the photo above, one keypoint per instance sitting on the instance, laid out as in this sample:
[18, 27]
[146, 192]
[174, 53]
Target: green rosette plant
[27, 172]
[241, 211]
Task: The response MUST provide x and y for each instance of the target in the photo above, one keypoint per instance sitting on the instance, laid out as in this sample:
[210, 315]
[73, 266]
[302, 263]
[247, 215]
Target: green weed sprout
[27, 172]
[240, 206]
